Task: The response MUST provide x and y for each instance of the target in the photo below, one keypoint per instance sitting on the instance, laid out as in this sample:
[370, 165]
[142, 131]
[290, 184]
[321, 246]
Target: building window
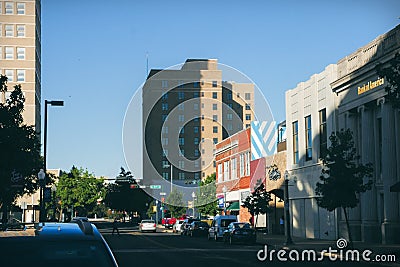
[165, 164]
[164, 141]
[308, 138]
[196, 119]
[247, 96]
[229, 96]
[181, 141]
[202, 105]
[196, 176]
[10, 75]
[295, 127]
[233, 169]
[20, 75]
[20, 52]
[181, 152]
[215, 106]
[20, 30]
[181, 176]
[21, 8]
[164, 106]
[229, 127]
[215, 141]
[202, 116]
[248, 117]
[247, 171]
[181, 129]
[195, 94]
[214, 83]
[9, 30]
[202, 128]
[215, 129]
[215, 95]
[180, 84]
[196, 140]
[164, 129]
[196, 129]
[215, 118]
[323, 138]
[241, 165]
[181, 164]
[9, 52]
[219, 173]
[196, 164]
[164, 83]
[9, 8]
[229, 116]
[164, 117]
[164, 96]
[202, 94]
[196, 152]
[181, 95]
[226, 171]
[247, 126]
[248, 107]
[196, 84]
[165, 175]
[165, 152]
[181, 118]
[181, 106]
[195, 106]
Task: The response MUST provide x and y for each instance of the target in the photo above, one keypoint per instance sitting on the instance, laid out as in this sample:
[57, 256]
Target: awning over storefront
[395, 187]
[234, 206]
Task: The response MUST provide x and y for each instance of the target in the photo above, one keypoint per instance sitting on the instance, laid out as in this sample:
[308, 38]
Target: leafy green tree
[258, 201]
[175, 203]
[391, 72]
[126, 195]
[19, 150]
[206, 201]
[80, 190]
[150, 212]
[342, 178]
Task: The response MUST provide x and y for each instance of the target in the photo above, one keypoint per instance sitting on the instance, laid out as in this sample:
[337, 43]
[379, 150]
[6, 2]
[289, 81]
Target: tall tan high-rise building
[186, 112]
[20, 53]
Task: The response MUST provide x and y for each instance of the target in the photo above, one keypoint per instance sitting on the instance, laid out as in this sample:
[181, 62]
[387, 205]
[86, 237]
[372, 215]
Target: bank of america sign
[264, 136]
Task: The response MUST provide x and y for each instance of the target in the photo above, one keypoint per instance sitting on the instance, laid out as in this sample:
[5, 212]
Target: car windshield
[241, 226]
[147, 221]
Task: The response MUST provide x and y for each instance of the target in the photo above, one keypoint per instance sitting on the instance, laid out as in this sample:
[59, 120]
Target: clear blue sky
[94, 56]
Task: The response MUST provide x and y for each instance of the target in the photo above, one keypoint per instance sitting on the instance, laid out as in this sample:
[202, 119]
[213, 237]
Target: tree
[342, 177]
[258, 201]
[206, 201]
[19, 150]
[392, 75]
[80, 190]
[175, 203]
[125, 194]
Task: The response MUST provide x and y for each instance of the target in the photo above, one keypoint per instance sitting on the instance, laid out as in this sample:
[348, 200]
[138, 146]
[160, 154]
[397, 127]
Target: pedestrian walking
[115, 226]
[282, 225]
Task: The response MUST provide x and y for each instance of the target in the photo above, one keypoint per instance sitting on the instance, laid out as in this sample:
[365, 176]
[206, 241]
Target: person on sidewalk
[282, 225]
[115, 226]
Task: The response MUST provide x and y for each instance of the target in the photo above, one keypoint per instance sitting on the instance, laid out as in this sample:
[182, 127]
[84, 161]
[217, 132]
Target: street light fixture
[59, 103]
[224, 189]
[41, 176]
[289, 240]
[193, 196]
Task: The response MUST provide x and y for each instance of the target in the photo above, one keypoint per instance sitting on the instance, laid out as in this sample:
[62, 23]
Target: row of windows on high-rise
[12, 8]
[14, 75]
[227, 170]
[308, 137]
[181, 96]
[12, 30]
[11, 52]
[181, 83]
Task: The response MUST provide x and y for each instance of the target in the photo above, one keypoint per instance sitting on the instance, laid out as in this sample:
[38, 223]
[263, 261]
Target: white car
[148, 225]
[176, 228]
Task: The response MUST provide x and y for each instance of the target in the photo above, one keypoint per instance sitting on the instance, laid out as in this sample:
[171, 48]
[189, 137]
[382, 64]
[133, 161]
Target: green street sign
[155, 186]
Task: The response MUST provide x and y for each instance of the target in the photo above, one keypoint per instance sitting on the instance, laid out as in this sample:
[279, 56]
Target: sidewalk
[277, 242]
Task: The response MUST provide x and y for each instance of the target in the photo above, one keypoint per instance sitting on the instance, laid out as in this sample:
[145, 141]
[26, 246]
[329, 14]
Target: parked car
[198, 228]
[59, 244]
[148, 225]
[219, 225]
[176, 228]
[186, 225]
[239, 232]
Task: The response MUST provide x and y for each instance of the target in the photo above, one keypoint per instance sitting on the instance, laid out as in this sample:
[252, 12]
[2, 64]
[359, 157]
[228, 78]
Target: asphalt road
[132, 248]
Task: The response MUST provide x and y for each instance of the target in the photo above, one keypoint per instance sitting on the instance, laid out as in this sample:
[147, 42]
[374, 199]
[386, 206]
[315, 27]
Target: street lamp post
[41, 176]
[289, 240]
[52, 103]
[193, 196]
[166, 166]
[224, 189]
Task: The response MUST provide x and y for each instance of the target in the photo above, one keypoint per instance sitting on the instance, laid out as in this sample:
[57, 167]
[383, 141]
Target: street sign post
[155, 186]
